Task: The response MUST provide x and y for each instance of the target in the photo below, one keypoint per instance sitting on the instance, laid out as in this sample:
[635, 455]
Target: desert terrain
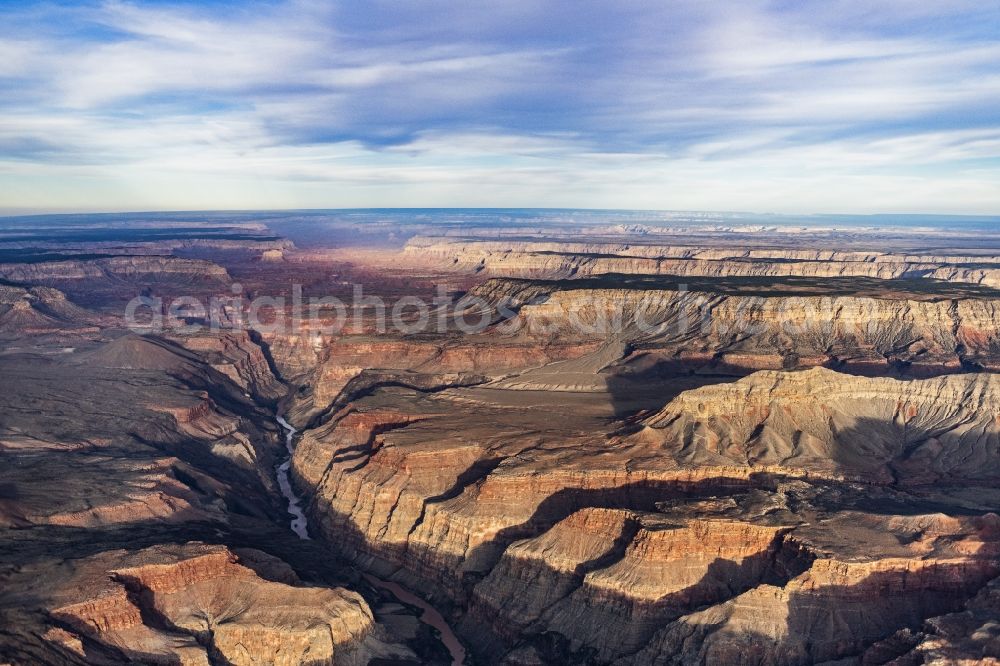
[442, 437]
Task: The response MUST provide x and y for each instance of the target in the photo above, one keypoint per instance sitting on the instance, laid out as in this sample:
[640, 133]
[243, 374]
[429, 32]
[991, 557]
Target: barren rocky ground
[697, 445]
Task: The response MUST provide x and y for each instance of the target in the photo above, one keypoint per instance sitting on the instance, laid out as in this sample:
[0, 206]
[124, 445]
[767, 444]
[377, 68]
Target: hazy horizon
[624, 215]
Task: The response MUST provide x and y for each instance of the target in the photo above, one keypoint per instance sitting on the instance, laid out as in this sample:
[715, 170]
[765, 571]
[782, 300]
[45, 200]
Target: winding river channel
[300, 525]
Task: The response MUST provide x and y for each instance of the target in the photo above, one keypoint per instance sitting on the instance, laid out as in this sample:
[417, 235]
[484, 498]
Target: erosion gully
[300, 525]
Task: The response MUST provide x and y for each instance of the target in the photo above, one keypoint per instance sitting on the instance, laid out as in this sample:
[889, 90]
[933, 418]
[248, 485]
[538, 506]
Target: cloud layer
[815, 106]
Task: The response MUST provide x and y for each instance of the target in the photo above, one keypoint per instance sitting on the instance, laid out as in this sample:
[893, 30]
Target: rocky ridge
[756, 330]
[201, 604]
[650, 526]
[560, 259]
[157, 268]
[41, 310]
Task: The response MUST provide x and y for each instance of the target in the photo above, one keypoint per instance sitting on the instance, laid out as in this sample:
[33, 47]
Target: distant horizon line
[25, 213]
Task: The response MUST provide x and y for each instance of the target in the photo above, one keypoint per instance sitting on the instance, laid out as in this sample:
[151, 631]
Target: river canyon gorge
[546, 441]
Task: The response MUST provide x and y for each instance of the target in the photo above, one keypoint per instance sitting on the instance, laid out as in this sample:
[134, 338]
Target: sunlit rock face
[754, 328]
[765, 514]
[196, 604]
[553, 259]
[945, 429]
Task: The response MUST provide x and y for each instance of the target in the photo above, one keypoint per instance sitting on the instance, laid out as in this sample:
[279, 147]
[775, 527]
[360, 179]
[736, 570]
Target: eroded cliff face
[26, 311]
[840, 605]
[735, 523]
[665, 324]
[160, 269]
[552, 335]
[200, 604]
[242, 359]
[347, 358]
[874, 430]
[557, 259]
[967, 636]
[611, 578]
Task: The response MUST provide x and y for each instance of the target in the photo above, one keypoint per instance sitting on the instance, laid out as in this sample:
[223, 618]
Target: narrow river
[300, 525]
[299, 522]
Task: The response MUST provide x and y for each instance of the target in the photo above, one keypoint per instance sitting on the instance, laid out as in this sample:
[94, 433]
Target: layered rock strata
[561, 543]
[160, 269]
[754, 331]
[541, 259]
[202, 604]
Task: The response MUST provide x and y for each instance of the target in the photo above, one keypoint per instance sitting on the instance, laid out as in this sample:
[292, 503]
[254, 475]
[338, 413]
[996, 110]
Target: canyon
[658, 444]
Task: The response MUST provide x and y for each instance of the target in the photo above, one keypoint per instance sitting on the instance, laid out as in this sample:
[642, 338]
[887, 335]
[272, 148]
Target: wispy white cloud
[821, 106]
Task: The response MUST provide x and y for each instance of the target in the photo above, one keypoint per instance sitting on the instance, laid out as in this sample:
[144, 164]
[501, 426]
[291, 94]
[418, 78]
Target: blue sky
[810, 106]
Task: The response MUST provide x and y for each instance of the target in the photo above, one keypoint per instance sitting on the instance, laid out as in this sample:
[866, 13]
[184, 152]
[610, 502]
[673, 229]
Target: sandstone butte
[210, 607]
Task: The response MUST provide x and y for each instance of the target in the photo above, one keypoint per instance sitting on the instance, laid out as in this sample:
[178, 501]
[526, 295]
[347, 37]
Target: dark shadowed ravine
[299, 524]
